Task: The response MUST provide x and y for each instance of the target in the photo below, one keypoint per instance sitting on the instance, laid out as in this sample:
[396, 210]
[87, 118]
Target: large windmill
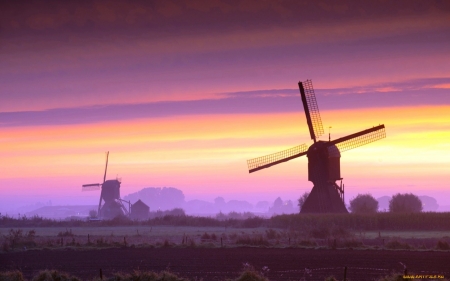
[110, 195]
[323, 157]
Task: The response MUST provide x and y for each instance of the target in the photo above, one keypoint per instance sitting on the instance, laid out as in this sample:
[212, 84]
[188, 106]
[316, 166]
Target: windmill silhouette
[323, 157]
[110, 195]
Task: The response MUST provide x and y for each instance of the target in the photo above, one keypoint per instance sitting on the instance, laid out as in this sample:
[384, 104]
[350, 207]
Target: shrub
[442, 245]
[272, 234]
[257, 240]
[363, 204]
[11, 276]
[302, 200]
[92, 214]
[205, 236]
[16, 238]
[67, 233]
[54, 275]
[250, 274]
[405, 203]
[395, 244]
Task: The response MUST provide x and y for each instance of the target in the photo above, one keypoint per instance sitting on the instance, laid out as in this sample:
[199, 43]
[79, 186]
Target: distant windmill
[110, 194]
[323, 158]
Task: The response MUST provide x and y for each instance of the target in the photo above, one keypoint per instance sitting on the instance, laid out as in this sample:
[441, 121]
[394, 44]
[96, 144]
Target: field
[222, 263]
[217, 253]
[286, 247]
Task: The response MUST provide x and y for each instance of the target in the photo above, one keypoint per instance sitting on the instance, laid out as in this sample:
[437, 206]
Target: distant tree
[429, 204]
[363, 204]
[277, 203]
[302, 200]
[92, 213]
[405, 203]
[219, 201]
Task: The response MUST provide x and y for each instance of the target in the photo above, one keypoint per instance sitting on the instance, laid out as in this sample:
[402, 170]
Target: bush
[11, 276]
[442, 245]
[363, 204]
[405, 203]
[257, 240]
[302, 200]
[397, 245]
[54, 275]
[92, 213]
[16, 238]
[249, 273]
[272, 234]
[67, 233]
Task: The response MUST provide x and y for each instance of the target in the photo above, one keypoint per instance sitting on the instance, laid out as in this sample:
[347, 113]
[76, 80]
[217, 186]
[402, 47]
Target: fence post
[345, 273]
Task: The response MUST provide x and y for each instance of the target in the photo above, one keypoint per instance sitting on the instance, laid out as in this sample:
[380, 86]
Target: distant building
[139, 211]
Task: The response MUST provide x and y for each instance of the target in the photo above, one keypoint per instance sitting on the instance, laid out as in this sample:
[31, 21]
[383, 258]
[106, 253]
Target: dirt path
[218, 264]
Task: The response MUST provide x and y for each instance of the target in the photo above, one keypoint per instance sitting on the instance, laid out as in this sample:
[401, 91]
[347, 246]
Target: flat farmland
[222, 263]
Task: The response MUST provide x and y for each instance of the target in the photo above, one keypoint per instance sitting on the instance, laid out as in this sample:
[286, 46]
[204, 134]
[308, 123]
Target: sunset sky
[183, 93]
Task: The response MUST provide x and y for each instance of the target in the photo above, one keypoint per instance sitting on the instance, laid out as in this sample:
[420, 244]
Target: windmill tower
[323, 157]
[110, 196]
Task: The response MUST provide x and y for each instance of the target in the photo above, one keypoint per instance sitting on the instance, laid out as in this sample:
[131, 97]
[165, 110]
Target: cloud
[409, 93]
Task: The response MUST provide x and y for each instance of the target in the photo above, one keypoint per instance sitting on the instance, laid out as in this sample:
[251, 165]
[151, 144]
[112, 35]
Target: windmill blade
[311, 109]
[360, 138]
[91, 187]
[263, 162]
[106, 167]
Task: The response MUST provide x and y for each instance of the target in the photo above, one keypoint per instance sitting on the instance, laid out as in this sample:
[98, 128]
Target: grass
[188, 236]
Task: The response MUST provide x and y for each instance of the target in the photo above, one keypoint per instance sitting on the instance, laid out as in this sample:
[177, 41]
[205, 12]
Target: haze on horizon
[182, 94]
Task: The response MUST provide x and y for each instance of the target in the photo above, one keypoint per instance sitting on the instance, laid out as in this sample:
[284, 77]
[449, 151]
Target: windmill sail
[360, 138]
[263, 162]
[90, 187]
[311, 109]
[106, 167]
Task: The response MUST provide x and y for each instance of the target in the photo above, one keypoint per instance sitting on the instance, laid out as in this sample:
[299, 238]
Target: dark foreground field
[222, 263]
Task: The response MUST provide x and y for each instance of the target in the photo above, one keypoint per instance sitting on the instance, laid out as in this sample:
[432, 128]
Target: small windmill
[323, 157]
[110, 194]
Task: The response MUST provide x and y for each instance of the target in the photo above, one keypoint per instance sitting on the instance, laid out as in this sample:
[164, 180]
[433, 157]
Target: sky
[182, 93]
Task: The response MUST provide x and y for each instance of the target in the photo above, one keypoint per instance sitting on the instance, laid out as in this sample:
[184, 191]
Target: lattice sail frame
[313, 108]
[90, 187]
[362, 140]
[277, 157]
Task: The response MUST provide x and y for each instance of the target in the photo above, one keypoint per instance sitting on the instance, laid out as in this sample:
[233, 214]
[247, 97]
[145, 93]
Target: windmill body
[110, 205]
[323, 171]
[323, 157]
[110, 195]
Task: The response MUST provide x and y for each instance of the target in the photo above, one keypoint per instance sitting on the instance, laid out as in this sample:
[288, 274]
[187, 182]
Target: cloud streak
[409, 93]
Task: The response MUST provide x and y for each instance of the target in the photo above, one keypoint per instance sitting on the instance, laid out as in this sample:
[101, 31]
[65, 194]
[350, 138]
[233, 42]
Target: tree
[278, 203]
[302, 200]
[92, 213]
[363, 204]
[405, 203]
